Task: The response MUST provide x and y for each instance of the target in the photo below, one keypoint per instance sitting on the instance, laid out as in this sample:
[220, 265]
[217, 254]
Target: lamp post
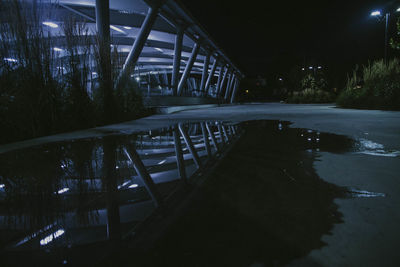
[378, 14]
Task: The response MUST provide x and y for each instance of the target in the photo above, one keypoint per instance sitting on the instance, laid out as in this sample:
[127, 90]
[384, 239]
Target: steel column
[225, 134]
[177, 58]
[139, 43]
[228, 88]
[140, 169]
[205, 72]
[210, 76]
[179, 155]
[103, 31]
[235, 90]
[223, 81]
[190, 146]
[188, 68]
[219, 81]
[205, 137]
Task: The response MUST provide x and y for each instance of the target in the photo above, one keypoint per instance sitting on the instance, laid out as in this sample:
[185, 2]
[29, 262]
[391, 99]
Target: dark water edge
[264, 204]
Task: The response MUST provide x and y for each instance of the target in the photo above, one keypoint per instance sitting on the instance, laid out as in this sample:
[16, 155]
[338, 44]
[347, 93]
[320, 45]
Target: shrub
[313, 91]
[377, 88]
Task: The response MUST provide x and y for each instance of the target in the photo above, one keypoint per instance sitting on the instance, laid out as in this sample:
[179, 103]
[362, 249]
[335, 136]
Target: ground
[369, 234]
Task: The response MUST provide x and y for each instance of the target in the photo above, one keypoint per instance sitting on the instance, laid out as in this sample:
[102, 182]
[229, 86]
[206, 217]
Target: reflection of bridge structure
[90, 190]
[159, 43]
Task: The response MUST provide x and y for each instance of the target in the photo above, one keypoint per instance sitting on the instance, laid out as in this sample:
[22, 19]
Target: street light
[378, 14]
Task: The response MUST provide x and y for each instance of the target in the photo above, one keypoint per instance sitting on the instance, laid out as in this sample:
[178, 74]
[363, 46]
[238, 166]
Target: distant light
[137, 78]
[309, 139]
[319, 67]
[124, 184]
[50, 24]
[159, 49]
[375, 13]
[162, 162]
[57, 49]
[280, 79]
[247, 91]
[303, 69]
[51, 237]
[127, 27]
[117, 29]
[2, 186]
[310, 68]
[133, 186]
[62, 191]
[398, 10]
[9, 59]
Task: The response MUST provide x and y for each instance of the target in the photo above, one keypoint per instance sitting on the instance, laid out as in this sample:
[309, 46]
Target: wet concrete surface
[365, 232]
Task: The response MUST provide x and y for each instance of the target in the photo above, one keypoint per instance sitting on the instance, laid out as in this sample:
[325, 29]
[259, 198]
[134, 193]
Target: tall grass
[44, 91]
[376, 86]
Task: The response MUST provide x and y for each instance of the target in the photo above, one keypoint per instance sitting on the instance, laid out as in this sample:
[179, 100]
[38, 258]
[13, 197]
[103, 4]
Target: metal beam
[179, 155]
[139, 43]
[229, 87]
[177, 58]
[205, 72]
[221, 134]
[235, 89]
[210, 76]
[188, 68]
[223, 81]
[190, 146]
[140, 169]
[219, 81]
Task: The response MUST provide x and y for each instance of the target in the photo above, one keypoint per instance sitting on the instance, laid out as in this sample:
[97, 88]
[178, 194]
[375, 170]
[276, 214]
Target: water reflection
[60, 196]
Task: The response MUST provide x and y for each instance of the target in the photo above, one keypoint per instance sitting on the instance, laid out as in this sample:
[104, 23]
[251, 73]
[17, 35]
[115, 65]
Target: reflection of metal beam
[139, 42]
[179, 156]
[210, 76]
[190, 146]
[205, 72]
[221, 135]
[188, 68]
[225, 134]
[206, 141]
[148, 182]
[211, 133]
[233, 129]
[110, 182]
[177, 58]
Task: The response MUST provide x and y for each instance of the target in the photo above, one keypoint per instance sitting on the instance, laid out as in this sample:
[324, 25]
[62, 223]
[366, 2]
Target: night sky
[270, 38]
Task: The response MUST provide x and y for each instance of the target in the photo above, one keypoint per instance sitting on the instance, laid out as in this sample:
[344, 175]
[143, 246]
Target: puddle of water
[368, 147]
[355, 193]
[72, 203]
[56, 198]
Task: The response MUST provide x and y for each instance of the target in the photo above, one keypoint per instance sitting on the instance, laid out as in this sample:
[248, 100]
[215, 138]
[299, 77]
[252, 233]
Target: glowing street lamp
[376, 13]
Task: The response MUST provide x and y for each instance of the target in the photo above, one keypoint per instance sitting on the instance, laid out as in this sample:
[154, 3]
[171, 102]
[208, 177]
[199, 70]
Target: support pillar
[235, 90]
[103, 31]
[210, 76]
[188, 68]
[219, 81]
[139, 43]
[177, 58]
[205, 72]
[229, 87]
[223, 82]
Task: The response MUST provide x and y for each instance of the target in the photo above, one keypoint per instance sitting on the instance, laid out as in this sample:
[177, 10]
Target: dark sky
[272, 37]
